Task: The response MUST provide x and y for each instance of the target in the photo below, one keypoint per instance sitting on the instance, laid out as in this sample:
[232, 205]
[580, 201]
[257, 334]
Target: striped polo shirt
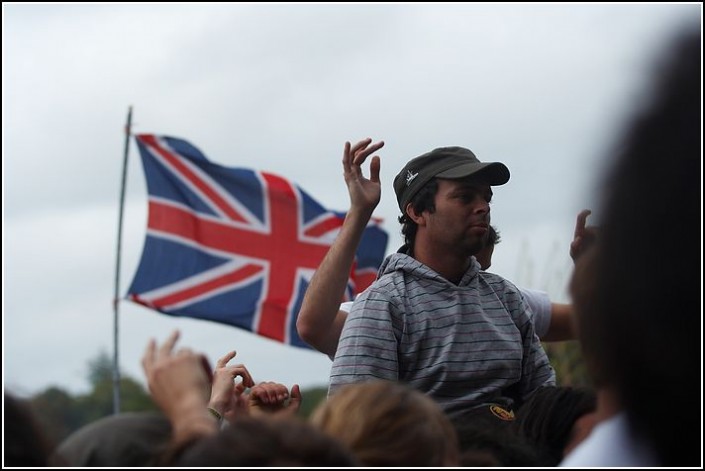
[465, 345]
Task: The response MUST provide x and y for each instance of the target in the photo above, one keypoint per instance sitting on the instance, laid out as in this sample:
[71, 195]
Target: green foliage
[566, 358]
[134, 398]
[60, 413]
[100, 369]
[311, 398]
[56, 413]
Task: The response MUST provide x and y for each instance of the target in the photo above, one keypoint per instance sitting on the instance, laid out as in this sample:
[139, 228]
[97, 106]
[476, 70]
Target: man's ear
[418, 218]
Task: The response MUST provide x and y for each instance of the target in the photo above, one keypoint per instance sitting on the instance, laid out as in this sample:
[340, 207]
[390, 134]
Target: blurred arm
[561, 327]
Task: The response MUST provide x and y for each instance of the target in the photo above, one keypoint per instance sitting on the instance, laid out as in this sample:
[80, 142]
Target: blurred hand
[584, 236]
[226, 393]
[274, 398]
[179, 383]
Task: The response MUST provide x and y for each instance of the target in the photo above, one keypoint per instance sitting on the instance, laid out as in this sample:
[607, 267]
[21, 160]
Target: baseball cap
[445, 162]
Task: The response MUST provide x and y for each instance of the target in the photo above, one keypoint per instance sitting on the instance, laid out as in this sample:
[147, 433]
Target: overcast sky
[543, 88]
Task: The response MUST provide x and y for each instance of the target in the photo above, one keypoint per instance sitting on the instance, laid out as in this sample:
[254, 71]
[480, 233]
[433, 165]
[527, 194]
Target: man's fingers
[222, 361]
[374, 169]
[362, 154]
[580, 222]
[347, 160]
[168, 346]
[239, 388]
[206, 367]
[149, 354]
[295, 397]
[270, 393]
[360, 145]
[241, 371]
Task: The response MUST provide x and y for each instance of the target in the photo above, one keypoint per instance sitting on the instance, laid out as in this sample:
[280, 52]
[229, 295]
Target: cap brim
[492, 173]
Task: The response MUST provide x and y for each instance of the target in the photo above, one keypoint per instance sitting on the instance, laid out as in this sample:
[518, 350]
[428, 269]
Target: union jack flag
[234, 245]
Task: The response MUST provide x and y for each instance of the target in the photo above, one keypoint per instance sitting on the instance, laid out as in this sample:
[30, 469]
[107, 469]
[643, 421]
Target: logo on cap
[410, 177]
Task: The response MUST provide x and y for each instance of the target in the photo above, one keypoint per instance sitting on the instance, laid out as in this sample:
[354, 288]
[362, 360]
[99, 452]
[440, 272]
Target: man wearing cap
[432, 319]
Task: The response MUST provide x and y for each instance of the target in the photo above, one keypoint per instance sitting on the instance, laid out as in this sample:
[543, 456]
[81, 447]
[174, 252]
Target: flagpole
[116, 297]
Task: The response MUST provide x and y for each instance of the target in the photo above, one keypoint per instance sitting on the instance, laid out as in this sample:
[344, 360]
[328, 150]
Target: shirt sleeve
[536, 368]
[367, 349]
[346, 306]
[540, 305]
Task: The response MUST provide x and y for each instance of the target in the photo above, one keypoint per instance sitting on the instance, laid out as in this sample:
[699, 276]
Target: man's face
[462, 216]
